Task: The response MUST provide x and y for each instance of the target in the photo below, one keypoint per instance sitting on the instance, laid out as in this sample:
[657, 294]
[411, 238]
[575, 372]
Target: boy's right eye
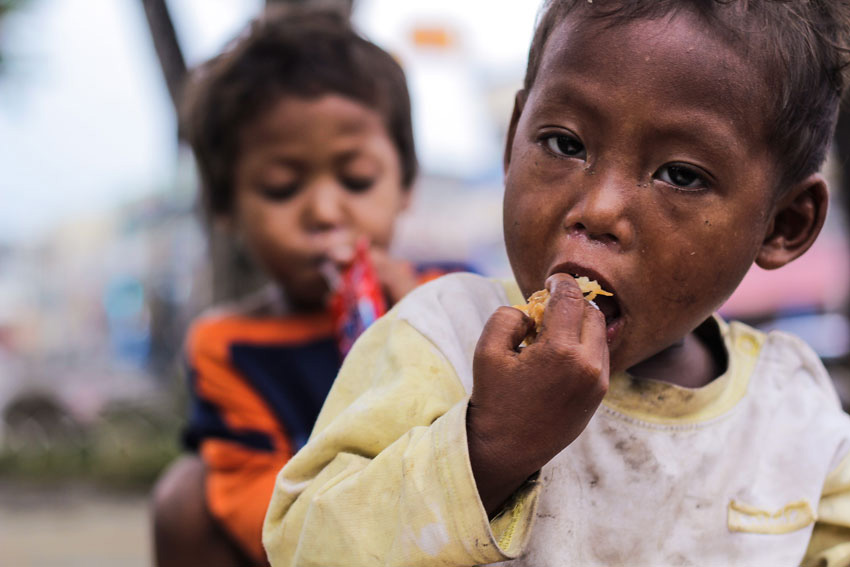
[564, 145]
[278, 193]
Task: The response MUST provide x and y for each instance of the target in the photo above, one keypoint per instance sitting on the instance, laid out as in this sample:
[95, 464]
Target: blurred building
[100, 304]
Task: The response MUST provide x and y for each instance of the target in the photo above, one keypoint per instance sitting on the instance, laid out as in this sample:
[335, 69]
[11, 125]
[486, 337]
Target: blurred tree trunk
[231, 274]
[346, 5]
[167, 47]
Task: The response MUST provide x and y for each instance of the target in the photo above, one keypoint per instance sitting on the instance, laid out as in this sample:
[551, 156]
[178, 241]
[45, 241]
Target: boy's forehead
[676, 57]
[294, 118]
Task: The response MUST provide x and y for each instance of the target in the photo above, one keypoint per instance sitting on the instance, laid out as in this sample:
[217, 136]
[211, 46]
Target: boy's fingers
[397, 276]
[505, 330]
[594, 333]
[386, 265]
[563, 318]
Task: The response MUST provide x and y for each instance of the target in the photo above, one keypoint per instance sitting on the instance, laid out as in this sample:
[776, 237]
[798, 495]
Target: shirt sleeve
[830, 542]
[385, 478]
[238, 437]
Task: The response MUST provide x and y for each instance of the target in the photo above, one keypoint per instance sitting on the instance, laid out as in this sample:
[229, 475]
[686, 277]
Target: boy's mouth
[608, 305]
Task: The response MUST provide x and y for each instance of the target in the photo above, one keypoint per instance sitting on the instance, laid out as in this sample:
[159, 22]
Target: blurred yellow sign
[434, 37]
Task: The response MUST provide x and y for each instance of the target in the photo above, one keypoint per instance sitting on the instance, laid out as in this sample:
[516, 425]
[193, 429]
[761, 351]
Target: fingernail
[551, 282]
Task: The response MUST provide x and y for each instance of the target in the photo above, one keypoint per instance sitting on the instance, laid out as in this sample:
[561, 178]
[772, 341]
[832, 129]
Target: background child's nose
[325, 206]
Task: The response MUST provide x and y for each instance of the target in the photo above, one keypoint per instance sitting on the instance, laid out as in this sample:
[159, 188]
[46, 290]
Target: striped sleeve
[385, 479]
[237, 435]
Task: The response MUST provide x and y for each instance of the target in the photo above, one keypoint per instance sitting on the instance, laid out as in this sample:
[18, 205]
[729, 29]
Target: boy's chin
[307, 298]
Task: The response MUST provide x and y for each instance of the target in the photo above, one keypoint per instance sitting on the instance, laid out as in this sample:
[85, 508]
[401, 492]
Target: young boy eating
[659, 148]
[303, 136]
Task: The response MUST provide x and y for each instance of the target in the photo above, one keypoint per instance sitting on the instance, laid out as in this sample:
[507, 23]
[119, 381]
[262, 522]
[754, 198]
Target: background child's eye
[682, 176]
[278, 193]
[565, 145]
[358, 184]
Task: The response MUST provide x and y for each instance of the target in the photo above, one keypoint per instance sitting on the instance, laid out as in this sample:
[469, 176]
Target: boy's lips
[337, 245]
[609, 305]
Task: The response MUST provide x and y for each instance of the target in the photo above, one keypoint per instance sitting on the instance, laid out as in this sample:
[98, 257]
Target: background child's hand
[529, 405]
[396, 276]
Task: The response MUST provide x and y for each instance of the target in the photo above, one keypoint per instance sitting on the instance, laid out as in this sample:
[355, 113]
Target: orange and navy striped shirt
[257, 382]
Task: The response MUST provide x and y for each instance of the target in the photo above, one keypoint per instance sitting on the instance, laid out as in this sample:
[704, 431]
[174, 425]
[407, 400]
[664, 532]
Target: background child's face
[638, 158]
[312, 176]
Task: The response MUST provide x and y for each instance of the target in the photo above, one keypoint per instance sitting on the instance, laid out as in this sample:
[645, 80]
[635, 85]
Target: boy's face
[312, 176]
[638, 158]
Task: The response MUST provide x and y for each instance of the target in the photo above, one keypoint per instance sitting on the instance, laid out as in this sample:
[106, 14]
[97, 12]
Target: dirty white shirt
[751, 469]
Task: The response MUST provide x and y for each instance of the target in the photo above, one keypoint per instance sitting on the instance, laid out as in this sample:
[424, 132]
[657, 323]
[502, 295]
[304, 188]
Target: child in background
[303, 138]
[659, 147]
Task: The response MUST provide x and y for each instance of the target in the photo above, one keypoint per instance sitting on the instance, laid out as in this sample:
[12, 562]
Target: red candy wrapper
[357, 299]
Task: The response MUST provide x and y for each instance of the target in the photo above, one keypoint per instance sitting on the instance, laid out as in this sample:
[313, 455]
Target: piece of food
[539, 299]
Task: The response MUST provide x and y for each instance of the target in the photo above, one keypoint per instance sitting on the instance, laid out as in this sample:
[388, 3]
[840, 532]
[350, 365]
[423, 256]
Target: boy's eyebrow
[354, 153]
[711, 130]
[564, 100]
[711, 127]
[297, 161]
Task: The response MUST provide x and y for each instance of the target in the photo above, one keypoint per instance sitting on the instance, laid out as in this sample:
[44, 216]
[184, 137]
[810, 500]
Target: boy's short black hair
[291, 51]
[803, 45]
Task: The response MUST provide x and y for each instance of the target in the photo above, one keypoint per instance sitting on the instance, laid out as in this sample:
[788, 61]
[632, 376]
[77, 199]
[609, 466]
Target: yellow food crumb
[539, 299]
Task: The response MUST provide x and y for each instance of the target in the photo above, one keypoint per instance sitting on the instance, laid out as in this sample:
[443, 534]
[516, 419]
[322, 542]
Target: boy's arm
[830, 542]
[239, 439]
[386, 478]
[528, 404]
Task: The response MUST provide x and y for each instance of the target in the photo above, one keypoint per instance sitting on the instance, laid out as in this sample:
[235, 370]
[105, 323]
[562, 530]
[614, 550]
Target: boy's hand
[529, 405]
[396, 276]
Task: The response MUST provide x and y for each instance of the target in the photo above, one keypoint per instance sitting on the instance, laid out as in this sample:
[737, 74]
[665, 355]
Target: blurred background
[103, 260]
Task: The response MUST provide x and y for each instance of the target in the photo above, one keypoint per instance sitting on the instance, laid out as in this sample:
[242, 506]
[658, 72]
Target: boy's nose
[325, 208]
[600, 210]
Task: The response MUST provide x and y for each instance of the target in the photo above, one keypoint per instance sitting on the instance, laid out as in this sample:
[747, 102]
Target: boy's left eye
[682, 177]
[358, 184]
[564, 145]
[278, 193]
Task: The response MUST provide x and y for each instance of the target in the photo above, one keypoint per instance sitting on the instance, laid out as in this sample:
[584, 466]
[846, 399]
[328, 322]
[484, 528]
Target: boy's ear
[222, 222]
[796, 223]
[406, 198]
[519, 103]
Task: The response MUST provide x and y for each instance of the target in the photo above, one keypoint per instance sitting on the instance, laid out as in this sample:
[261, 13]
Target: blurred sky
[86, 122]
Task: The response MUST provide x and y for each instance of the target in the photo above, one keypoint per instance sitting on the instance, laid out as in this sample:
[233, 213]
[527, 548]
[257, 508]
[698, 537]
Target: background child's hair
[294, 51]
[803, 45]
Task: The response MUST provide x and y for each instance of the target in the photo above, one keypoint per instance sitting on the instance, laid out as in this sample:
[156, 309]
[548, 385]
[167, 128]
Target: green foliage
[126, 448]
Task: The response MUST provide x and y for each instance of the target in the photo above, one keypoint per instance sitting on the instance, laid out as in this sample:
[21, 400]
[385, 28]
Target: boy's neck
[272, 301]
[293, 306]
[693, 362]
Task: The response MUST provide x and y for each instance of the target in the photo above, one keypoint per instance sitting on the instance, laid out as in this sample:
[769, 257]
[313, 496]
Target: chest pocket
[790, 518]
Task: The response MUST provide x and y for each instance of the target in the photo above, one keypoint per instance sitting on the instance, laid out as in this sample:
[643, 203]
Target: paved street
[72, 527]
